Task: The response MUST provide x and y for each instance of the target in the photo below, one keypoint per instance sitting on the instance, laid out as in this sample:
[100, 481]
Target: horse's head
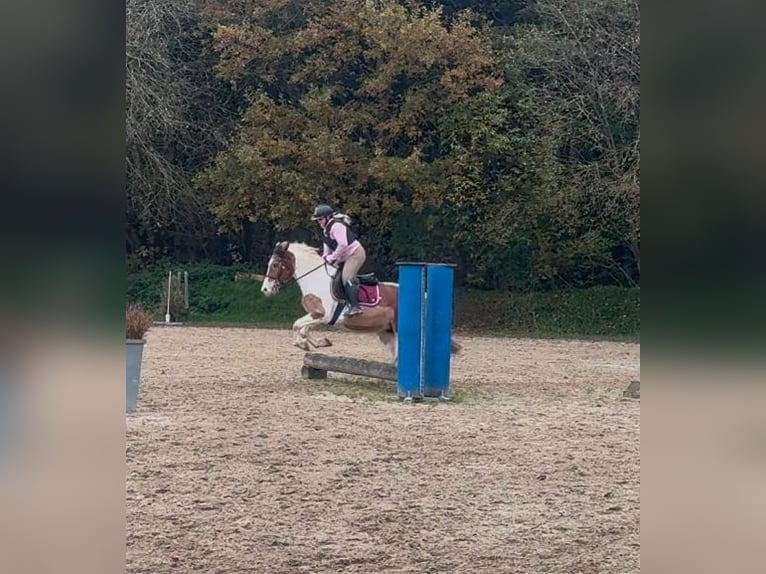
[280, 271]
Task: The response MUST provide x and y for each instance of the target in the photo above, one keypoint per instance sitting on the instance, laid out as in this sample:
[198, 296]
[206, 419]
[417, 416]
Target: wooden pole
[316, 363]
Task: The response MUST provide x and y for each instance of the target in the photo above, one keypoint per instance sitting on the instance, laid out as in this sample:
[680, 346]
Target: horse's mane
[303, 248]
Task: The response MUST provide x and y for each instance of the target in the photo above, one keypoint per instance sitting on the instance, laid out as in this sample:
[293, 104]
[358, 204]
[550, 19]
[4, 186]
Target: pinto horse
[323, 299]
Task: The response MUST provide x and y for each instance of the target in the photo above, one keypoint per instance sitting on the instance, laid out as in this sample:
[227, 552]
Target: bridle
[284, 261]
[285, 268]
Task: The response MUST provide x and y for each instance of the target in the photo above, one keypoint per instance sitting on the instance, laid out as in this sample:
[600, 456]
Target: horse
[322, 298]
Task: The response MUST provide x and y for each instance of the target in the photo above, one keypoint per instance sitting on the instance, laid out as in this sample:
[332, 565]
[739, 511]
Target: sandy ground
[236, 464]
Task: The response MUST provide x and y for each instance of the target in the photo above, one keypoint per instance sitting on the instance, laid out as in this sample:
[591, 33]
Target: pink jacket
[344, 248]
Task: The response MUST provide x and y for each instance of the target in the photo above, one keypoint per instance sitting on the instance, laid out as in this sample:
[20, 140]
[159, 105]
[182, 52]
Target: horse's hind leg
[455, 346]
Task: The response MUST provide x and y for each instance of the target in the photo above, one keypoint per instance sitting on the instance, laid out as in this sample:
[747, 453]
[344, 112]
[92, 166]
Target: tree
[346, 98]
[176, 118]
[504, 137]
[578, 65]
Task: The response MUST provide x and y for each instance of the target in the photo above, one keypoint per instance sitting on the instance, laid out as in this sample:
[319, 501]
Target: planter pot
[12, 414]
[134, 353]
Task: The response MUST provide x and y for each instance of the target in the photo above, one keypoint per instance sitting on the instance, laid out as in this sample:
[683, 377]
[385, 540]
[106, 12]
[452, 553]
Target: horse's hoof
[324, 342]
[303, 346]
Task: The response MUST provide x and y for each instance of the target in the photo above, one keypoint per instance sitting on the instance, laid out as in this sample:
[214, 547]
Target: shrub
[137, 322]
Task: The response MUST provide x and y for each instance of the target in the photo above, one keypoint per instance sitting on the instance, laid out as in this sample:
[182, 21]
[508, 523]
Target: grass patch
[363, 389]
[460, 396]
[359, 389]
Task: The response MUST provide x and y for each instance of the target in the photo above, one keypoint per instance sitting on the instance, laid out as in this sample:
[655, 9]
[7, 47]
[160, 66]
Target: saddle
[369, 291]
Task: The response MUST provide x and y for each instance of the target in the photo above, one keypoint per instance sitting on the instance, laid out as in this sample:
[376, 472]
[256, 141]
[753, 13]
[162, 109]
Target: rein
[323, 264]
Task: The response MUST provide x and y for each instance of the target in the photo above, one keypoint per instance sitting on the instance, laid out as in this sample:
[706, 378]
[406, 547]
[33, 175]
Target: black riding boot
[352, 298]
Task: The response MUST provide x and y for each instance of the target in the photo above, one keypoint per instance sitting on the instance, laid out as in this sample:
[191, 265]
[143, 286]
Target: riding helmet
[323, 211]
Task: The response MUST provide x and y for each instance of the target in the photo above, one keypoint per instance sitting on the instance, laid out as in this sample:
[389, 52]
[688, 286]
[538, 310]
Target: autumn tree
[346, 98]
[500, 135]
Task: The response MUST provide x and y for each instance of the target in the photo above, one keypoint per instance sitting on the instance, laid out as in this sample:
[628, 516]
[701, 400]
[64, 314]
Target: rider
[341, 246]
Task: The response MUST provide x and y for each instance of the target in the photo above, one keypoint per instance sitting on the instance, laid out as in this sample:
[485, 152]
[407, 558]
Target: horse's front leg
[301, 341]
[316, 316]
[303, 338]
[306, 332]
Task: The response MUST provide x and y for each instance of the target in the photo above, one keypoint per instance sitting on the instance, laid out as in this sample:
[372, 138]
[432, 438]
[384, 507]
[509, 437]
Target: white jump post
[167, 312]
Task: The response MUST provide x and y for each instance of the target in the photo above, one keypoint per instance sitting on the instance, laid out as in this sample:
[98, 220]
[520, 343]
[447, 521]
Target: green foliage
[214, 296]
[500, 135]
[177, 117]
[609, 312]
[242, 302]
[504, 268]
[344, 109]
[416, 236]
[177, 306]
[574, 75]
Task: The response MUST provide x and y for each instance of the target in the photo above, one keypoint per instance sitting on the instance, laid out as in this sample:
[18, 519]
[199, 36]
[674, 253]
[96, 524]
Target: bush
[503, 267]
[594, 312]
[137, 322]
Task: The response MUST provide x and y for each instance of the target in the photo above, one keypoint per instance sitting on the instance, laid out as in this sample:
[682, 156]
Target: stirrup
[352, 311]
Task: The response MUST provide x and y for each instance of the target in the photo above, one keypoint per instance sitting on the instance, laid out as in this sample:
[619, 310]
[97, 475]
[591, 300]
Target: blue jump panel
[439, 289]
[410, 330]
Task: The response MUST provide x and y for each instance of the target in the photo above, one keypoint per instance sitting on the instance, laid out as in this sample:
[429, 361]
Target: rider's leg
[350, 283]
